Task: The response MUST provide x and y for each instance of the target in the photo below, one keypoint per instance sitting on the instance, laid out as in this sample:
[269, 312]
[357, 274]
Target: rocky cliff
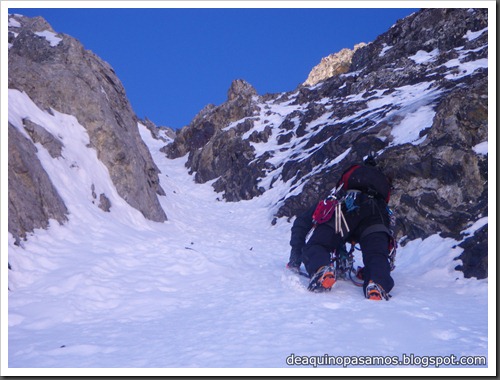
[417, 96]
[58, 74]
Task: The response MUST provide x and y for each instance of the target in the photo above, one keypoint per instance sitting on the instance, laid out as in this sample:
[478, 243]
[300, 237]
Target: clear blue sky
[173, 62]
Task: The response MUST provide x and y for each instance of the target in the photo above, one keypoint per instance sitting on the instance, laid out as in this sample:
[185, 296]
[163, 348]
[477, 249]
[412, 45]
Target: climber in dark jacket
[365, 219]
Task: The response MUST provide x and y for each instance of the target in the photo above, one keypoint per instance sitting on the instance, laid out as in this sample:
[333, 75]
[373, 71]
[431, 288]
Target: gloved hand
[295, 259]
[293, 266]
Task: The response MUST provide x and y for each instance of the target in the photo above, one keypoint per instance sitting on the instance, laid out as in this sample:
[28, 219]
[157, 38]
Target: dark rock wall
[37, 200]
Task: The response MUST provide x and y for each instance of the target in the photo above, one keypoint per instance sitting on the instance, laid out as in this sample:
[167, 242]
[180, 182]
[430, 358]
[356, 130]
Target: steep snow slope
[208, 288]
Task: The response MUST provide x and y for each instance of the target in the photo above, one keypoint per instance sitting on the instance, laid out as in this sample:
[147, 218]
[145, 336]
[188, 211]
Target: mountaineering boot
[323, 279]
[375, 292]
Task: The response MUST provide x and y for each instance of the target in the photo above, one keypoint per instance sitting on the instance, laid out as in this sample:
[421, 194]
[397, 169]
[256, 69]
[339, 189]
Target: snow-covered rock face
[417, 96]
[57, 73]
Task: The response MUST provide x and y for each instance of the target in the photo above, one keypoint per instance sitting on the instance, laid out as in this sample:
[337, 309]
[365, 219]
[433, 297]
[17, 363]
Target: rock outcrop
[37, 200]
[334, 64]
[216, 151]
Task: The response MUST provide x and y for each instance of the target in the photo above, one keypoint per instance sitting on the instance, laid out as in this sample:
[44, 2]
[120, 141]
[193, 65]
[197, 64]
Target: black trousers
[369, 212]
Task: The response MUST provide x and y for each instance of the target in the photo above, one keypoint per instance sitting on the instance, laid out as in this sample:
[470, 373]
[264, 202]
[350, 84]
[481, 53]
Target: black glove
[295, 259]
